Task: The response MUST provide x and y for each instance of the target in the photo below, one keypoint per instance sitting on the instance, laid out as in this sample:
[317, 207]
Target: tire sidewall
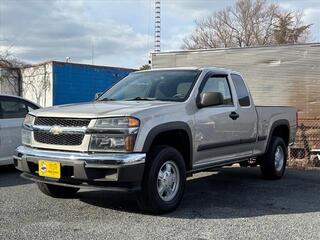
[164, 154]
[269, 161]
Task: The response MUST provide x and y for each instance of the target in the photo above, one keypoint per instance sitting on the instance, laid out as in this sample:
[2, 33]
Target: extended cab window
[219, 84]
[241, 89]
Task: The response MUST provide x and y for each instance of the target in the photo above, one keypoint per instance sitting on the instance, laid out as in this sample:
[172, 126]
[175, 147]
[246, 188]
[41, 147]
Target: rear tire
[163, 182]
[273, 163]
[57, 191]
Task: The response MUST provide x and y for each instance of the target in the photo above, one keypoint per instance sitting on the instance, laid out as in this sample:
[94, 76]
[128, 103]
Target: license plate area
[49, 169]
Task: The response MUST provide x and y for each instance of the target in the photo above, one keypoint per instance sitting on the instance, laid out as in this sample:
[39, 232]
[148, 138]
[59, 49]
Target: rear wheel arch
[280, 128]
[180, 137]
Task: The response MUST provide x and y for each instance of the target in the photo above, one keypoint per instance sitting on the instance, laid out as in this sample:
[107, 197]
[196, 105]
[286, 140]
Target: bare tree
[247, 23]
[10, 73]
[20, 78]
[36, 82]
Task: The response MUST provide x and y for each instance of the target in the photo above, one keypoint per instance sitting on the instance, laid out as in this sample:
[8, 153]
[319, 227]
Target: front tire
[164, 181]
[273, 163]
[57, 191]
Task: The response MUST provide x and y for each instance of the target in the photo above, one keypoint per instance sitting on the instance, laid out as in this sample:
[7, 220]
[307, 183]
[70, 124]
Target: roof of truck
[206, 69]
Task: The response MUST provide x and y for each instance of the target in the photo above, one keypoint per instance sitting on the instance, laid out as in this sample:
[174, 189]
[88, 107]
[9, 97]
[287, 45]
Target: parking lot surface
[234, 203]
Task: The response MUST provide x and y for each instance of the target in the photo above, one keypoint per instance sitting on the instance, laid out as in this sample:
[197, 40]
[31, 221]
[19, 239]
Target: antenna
[92, 51]
[157, 26]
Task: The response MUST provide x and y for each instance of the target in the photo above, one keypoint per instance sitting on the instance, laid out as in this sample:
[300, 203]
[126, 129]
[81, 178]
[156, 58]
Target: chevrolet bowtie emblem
[56, 130]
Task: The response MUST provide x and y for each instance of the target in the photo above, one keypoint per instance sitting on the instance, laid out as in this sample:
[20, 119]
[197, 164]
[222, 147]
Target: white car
[13, 109]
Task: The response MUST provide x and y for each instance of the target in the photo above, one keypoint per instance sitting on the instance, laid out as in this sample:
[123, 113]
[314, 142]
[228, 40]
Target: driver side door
[214, 128]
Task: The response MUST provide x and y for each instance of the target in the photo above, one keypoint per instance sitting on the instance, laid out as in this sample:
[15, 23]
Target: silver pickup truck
[152, 130]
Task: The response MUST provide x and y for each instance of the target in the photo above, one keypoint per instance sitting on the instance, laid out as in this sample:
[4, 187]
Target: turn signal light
[133, 122]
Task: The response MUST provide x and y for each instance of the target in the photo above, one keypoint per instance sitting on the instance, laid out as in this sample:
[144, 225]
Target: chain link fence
[306, 150]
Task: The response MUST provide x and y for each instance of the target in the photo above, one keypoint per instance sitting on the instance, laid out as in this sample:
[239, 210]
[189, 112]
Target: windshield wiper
[139, 99]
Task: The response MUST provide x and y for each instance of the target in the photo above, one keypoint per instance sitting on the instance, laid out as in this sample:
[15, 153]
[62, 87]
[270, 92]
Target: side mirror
[207, 99]
[97, 95]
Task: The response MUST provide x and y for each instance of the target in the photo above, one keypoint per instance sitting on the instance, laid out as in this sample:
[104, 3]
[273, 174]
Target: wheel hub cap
[168, 181]
[279, 159]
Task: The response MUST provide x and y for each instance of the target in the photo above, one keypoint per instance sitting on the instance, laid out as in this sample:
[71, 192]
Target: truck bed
[267, 116]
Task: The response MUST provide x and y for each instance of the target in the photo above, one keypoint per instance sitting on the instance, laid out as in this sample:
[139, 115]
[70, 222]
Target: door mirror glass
[97, 95]
[207, 99]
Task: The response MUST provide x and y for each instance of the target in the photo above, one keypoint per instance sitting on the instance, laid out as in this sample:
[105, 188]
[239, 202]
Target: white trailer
[276, 75]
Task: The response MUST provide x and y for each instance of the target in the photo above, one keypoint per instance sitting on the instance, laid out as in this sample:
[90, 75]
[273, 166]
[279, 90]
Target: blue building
[55, 83]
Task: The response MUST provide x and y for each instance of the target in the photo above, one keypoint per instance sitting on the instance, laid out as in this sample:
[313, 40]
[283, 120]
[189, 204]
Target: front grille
[61, 139]
[63, 122]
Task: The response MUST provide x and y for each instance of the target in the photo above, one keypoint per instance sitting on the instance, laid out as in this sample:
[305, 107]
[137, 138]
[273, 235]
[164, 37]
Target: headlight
[117, 122]
[114, 142]
[29, 120]
[26, 137]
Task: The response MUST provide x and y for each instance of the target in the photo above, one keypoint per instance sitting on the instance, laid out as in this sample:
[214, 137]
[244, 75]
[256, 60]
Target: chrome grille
[65, 139]
[61, 139]
[63, 122]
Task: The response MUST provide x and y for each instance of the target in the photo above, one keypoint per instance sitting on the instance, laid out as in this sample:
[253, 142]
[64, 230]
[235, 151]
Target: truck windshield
[164, 85]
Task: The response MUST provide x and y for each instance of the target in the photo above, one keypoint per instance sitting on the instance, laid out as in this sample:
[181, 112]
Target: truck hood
[99, 109]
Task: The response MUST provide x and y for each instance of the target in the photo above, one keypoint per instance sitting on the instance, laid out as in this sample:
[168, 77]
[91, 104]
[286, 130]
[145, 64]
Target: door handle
[234, 115]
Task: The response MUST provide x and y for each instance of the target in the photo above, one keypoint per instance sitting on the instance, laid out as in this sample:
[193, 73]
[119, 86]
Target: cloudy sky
[121, 31]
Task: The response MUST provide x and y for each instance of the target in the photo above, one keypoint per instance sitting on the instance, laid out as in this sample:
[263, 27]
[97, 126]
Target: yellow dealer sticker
[49, 169]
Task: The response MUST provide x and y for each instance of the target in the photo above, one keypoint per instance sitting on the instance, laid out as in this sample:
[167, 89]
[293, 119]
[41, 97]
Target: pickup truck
[152, 130]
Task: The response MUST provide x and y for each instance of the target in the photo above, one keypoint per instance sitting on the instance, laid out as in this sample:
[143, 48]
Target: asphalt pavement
[234, 203]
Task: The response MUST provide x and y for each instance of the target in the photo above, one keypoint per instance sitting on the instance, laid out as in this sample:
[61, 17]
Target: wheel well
[283, 132]
[178, 139]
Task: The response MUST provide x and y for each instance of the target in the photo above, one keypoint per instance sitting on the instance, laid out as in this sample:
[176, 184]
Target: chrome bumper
[106, 160]
[83, 168]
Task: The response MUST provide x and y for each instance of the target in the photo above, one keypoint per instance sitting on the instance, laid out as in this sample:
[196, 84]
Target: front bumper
[117, 171]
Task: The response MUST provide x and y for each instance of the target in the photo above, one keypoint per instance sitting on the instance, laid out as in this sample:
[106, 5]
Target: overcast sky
[121, 31]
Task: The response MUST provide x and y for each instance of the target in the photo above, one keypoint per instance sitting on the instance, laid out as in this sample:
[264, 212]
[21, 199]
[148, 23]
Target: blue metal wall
[74, 83]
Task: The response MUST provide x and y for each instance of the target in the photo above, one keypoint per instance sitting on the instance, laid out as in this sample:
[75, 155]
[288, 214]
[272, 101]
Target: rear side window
[12, 108]
[241, 89]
